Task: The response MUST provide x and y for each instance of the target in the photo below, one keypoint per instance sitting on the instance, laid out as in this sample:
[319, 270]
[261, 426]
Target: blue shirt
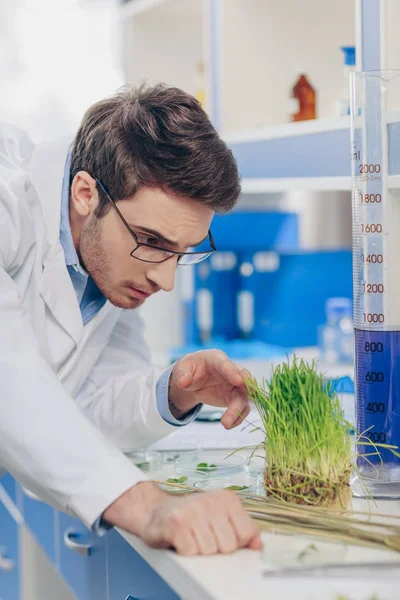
[91, 300]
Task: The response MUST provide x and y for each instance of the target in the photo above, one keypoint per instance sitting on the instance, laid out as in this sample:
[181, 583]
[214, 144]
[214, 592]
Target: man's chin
[125, 302]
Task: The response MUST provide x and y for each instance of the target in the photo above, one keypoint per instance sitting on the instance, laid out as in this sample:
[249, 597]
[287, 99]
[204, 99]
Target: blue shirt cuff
[163, 406]
[100, 527]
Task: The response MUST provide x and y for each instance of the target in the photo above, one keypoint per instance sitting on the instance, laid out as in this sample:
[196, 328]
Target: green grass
[307, 441]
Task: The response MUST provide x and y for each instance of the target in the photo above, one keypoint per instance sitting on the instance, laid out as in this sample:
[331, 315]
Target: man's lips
[136, 293]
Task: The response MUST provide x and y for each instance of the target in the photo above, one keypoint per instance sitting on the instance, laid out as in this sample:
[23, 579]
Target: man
[88, 231]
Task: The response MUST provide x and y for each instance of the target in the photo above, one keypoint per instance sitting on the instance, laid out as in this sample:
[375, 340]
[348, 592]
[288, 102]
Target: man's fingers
[184, 381]
[182, 373]
[244, 373]
[201, 524]
[206, 540]
[185, 543]
[247, 530]
[237, 406]
[240, 418]
[255, 543]
[230, 372]
[224, 533]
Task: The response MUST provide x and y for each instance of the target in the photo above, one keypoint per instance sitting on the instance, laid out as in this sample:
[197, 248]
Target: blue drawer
[130, 576]
[39, 518]
[8, 482]
[9, 564]
[82, 559]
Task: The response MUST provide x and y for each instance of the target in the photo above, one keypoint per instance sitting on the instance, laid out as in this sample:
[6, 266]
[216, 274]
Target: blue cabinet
[8, 482]
[82, 559]
[130, 576]
[39, 517]
[9, 566]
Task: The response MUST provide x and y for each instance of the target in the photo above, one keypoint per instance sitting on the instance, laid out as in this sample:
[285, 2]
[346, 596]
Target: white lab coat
[71, 396]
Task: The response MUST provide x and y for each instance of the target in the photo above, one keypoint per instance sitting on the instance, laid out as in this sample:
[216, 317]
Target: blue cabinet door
[8, 482]
[9, 575]
[130, 576]
[39, 518]
[82, 559]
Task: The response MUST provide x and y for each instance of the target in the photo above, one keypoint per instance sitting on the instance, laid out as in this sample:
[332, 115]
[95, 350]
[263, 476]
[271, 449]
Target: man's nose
[163, 274]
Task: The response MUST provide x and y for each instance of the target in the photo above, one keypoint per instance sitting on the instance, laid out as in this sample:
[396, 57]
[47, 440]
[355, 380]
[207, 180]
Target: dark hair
[156, 136]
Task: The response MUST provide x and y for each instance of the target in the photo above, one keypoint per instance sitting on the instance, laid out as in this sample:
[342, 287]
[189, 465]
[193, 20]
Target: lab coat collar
[46, 171]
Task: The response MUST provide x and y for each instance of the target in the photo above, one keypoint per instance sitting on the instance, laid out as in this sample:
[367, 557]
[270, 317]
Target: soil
[309, 492]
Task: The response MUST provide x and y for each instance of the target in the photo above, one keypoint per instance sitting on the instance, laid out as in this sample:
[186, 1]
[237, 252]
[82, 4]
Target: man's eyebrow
[162, 237]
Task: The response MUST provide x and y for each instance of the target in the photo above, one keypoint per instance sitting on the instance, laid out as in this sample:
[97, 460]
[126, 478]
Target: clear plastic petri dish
[208, 464]
[293, 551]
[256, 465]
[146, 460]
[241, 484]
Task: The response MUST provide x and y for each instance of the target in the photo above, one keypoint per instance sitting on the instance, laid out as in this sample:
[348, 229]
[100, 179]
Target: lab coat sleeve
[120, 396]
[45, 440]
[163, 403]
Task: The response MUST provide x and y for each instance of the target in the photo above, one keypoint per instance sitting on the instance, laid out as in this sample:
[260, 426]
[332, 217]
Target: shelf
[286, 130]
[310, 155]
[317, 184]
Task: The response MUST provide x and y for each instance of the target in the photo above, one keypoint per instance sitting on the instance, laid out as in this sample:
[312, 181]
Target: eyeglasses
[155, 254]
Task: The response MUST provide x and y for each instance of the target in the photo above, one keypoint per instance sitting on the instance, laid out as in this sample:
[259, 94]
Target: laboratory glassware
[375, 159]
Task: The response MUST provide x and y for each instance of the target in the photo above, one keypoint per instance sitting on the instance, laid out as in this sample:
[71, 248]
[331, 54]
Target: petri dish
[292, 551]
[171, 456]
[256, 465]
[146, 460]
[208, 464]
[241, 484]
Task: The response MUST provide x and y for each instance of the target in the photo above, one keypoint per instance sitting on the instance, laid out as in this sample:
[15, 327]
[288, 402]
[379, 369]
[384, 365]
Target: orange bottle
[305, 95]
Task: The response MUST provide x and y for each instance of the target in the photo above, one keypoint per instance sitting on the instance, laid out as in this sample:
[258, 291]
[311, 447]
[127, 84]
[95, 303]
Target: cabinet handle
[6, 564]
[30, 494]
[70, 537]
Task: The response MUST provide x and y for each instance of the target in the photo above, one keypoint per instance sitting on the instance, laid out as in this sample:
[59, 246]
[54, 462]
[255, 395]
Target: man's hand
[197, 523]
[209, 377]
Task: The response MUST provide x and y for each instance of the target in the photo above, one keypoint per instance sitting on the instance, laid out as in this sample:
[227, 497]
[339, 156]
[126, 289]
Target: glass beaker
[375, 154]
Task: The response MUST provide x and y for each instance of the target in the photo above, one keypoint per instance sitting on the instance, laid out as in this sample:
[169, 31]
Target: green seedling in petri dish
[177, 479]
[205, 467]
[237, 488]
[144, 466]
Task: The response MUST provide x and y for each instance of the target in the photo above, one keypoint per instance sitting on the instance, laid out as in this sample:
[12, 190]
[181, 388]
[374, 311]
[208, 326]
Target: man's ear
[84, 196]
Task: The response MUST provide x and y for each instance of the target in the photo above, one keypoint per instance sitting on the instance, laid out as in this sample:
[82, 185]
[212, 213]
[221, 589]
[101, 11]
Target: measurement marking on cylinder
[370, 198]
[373, 288]
[372, 258]
[369, 168]
[371, 228]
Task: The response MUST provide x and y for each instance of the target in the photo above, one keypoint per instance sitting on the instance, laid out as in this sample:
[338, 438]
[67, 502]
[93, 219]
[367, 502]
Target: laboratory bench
[120, 566]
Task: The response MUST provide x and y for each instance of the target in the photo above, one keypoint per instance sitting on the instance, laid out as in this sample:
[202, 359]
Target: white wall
[56, 59]
[391, 44]
[165, 44]
[267, 43]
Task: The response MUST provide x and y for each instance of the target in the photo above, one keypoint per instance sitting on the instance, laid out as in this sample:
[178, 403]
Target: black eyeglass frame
[139, 244]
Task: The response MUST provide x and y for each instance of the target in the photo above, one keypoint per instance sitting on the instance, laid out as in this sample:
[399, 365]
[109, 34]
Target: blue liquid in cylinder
[378, 396]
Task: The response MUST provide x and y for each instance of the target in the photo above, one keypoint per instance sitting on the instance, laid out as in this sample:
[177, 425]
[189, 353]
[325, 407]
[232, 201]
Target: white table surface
[240, 575]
